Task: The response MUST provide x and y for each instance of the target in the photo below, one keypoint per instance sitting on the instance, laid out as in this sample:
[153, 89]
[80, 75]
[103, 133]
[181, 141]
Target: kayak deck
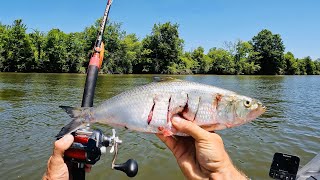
[311, 171]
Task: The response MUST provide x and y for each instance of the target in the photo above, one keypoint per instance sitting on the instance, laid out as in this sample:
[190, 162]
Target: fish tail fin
[79, 119]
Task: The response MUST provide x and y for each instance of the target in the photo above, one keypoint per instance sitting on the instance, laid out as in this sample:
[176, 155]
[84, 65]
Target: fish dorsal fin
[164, 79]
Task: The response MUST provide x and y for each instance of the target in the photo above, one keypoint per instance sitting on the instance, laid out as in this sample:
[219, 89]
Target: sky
[206, 23]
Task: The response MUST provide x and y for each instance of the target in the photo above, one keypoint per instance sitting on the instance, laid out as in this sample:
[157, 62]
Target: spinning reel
[89, 145]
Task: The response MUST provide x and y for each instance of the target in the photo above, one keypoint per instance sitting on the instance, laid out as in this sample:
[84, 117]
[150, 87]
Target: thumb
[190, 128]
[62, 145]
[56, 160]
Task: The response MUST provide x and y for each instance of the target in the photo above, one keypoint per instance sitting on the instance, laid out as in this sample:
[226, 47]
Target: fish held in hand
[150, 108]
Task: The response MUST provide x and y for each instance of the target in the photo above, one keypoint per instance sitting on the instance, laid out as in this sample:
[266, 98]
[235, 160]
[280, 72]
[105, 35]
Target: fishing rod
[89, 144]
[95, 62]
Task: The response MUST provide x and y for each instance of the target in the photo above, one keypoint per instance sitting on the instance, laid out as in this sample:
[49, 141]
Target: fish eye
[247, 104]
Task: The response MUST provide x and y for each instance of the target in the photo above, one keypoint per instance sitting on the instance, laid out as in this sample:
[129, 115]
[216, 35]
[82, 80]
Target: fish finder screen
[284, 166]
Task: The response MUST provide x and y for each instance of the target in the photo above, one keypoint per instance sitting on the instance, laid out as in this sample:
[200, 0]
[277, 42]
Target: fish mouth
[261, 107]
[256, 112]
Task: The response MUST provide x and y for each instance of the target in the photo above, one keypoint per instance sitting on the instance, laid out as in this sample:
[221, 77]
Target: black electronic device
[284, 166]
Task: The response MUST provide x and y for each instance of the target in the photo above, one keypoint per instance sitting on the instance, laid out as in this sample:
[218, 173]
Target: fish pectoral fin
[74, 125]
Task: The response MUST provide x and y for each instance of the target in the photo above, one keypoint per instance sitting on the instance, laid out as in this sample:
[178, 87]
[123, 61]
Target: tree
[244, 58]
[222, 61]
[56, 51]
[75, 53]
[89, 36]
[317, 64]
[310, 66]
[38, 41]
[188, 64]
[159, 52]
[291, 66]
[164, 47]
[114, 50]
[3, 40]
[18, 53]
[198, 57]
[270, 47]
[302, 67]
[132, 49]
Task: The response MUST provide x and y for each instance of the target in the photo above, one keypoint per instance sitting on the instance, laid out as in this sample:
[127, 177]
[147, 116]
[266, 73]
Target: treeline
[159, 52]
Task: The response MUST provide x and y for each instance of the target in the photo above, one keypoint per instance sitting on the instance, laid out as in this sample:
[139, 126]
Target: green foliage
[310, 66]
[75, 53]
[245, 58]
[38, 42]
[198, 58]
[188, 65]
[302, 67]
[121, 50]
[18, 54]
[291, 65]
[317, 64]
[56, 51]
[163, 46]
[159, 52]
[270, 47]
[3, 40]
[114, 50]
[222, 62]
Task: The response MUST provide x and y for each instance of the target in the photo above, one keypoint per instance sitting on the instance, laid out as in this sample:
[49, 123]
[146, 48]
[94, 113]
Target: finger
[189, 128]
[169, 141]
[56, 160]
[210, 128]
[62, 144]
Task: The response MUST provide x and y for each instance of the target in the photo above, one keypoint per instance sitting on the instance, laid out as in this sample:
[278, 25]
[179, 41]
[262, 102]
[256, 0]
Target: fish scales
[159, 94]
[150, 108]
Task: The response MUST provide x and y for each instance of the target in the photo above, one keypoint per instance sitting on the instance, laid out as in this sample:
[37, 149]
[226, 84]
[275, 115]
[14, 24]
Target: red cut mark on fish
[151, 113]
[168, 112]
[217, 100]
[185, 107]
[196, 113]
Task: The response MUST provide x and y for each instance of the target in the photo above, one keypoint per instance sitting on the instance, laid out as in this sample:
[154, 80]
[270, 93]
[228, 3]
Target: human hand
[201, 156]
[57, 168]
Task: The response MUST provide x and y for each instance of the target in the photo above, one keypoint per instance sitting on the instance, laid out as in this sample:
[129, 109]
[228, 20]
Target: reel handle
[130, 167]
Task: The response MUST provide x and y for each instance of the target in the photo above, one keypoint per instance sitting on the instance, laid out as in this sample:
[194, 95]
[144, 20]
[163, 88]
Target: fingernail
[68, 138]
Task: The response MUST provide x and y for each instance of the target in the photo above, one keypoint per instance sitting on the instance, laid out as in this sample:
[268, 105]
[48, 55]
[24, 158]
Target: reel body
[88, 146]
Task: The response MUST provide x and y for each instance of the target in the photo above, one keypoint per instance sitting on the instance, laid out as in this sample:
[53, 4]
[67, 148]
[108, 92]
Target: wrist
[228, 172]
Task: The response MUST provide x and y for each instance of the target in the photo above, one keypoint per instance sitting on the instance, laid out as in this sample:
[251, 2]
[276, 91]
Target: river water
[30, 118]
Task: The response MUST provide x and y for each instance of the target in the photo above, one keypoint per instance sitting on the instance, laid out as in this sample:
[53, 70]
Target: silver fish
[150, 108]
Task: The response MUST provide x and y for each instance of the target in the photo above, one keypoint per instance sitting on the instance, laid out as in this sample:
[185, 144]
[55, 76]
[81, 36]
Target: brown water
[30, 118]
